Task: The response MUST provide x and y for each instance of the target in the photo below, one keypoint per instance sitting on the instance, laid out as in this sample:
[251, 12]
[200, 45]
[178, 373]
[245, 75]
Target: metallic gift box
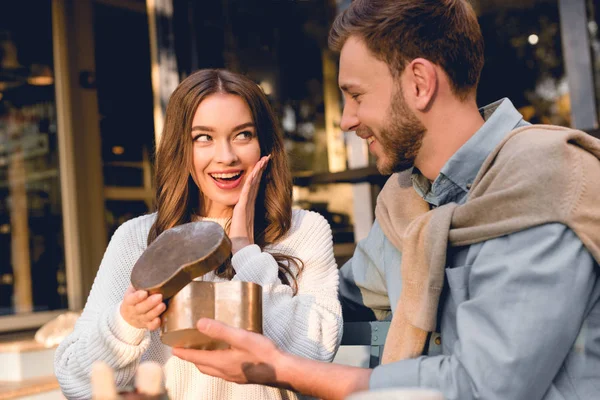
[236, 303]
[169, 266]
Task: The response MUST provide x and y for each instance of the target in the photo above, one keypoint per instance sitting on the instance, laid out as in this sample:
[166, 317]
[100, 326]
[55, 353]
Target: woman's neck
[215, 211]
[224, 222]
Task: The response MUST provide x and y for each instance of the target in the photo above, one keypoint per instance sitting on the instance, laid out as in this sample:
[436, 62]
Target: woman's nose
[225, 154]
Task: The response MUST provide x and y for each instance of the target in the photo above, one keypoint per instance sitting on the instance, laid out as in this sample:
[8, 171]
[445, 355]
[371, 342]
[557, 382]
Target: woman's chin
[227, 201]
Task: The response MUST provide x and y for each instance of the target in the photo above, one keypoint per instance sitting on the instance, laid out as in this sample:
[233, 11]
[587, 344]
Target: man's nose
[225, 154]
[349, 120]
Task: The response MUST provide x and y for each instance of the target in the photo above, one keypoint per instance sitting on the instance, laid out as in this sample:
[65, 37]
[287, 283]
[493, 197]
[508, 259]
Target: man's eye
[202, 138]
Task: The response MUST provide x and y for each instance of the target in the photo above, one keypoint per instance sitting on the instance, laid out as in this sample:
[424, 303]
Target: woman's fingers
[264, 161]
[129, 290]
[257, 173]
[156, 311]
[253, 180]
[154, 324]
[148, 304]
[132, 298]
[243, 213]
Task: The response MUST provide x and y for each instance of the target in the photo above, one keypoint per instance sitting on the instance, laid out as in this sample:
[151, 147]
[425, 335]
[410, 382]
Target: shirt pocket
[458, 282]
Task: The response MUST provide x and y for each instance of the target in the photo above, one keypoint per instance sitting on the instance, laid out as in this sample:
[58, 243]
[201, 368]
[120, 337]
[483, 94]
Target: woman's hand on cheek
[241, 231]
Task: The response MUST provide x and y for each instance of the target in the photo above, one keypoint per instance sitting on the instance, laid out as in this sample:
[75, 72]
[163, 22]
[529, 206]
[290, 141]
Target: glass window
[524, 59]
[282, 46]
[122, 52]
[32, 267]
[120, 211]
[593, 12]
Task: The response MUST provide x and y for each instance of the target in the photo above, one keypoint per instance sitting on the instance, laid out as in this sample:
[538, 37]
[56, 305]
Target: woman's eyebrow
[209, 129]
[202, 128]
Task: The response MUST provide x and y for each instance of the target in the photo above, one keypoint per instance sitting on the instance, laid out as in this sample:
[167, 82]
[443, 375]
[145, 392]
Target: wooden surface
[14, 390]
[21, 346]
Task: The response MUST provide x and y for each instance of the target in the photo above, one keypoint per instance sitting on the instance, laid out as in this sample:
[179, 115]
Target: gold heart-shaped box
[169, 266]
[236, 303]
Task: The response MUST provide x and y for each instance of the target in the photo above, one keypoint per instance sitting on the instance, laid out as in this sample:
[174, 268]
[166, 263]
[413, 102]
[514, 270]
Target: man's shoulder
[545, 151]
[542, 140]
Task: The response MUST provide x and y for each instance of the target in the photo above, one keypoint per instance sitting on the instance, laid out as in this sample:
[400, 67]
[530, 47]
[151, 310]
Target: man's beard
[401, 138]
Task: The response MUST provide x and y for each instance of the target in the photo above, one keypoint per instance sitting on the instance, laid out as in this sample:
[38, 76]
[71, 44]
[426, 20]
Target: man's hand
[252, 357]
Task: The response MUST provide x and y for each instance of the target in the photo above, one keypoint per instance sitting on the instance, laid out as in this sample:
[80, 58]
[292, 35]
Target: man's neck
[448, 129]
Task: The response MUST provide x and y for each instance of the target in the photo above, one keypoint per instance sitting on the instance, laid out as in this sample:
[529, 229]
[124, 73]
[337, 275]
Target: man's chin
[386, 168]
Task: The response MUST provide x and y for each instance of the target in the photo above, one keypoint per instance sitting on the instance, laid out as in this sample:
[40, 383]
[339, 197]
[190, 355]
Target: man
[486, 243]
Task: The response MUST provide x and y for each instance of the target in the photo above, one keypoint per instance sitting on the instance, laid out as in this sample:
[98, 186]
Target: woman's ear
[422, 78]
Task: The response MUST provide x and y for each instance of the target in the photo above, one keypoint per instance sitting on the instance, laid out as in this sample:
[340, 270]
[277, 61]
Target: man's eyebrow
[209, 129]
[347, 87]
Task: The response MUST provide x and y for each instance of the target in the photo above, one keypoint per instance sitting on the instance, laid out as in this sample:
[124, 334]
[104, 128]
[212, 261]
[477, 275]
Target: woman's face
[225, 149]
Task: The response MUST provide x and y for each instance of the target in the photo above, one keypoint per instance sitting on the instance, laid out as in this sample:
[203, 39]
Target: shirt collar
[459, 172]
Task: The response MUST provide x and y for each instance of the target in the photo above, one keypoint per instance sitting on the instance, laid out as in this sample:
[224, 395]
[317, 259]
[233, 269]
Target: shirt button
[438, 340]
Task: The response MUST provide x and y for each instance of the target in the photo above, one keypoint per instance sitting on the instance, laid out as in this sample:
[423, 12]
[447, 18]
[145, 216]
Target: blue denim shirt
[520, 315]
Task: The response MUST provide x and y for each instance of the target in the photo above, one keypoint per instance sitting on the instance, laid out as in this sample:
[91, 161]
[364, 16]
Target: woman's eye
[244, 135]
[202, 138]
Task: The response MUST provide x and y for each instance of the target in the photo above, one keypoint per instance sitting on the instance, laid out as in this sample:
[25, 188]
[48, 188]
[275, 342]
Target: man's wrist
[319, 379]
[285, 365]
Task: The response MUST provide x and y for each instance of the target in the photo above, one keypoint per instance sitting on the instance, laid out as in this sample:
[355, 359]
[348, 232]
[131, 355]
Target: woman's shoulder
[309, 236]
[305, 220]
[308, 228]
[135, 229]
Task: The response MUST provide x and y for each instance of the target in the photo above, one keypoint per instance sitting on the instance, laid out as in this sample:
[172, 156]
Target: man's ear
[422, 79]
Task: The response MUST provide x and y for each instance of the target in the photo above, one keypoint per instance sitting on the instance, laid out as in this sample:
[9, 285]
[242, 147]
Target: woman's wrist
[238, 243]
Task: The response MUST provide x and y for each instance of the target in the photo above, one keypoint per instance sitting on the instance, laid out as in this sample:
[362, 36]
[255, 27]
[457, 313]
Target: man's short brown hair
[445, 32]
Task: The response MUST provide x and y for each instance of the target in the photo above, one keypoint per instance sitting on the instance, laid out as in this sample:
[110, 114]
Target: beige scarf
[538, 174]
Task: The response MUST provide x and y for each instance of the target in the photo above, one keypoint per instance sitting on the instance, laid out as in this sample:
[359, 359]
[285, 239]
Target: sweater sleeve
[309, 323]
[101, 334]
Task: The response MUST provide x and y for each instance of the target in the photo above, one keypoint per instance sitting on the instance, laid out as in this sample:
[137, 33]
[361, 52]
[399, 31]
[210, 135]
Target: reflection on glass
[523, 59]
[334, 202]
[32, 269]
[122, 55]
[282, 46]
[593, 12]
[120, 211]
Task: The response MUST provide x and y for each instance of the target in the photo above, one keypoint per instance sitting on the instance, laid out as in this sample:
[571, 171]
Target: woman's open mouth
[227, 180]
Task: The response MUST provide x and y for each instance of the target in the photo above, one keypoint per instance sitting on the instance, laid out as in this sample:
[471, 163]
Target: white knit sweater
[308, 324]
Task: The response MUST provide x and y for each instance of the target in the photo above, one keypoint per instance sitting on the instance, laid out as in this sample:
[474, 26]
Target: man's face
[376, 109]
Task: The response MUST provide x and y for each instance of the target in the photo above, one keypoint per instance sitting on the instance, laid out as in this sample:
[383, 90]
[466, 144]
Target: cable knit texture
[308, 324]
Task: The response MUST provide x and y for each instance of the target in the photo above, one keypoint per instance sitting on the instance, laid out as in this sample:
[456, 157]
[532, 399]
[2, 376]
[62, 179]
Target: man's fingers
[216, 330]
[211, 371]
[202, 359]
[194, 356]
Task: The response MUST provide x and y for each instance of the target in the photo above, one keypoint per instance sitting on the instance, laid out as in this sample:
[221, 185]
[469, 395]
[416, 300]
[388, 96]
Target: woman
[221, 158]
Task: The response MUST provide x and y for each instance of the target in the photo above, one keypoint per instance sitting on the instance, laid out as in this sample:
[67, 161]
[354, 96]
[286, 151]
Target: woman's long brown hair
[178, 198]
